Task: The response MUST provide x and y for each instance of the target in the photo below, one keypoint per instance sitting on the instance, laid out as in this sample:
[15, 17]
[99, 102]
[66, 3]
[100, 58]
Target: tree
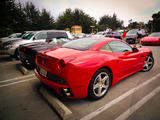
[110, 22]
[133, 25]
[75, 17]
[46, 21]
[156, 22]
[7, 13]
[17, 17]
[32, 15]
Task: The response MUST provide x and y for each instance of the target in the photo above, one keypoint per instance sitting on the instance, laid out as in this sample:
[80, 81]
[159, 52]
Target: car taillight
[24, 49]
[113, 35]
[64, 61]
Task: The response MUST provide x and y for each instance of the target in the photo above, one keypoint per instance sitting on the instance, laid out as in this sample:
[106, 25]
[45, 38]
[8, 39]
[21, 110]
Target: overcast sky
[137, 10]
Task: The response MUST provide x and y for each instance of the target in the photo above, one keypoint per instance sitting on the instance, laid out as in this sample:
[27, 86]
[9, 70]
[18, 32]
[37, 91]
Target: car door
[128, 61]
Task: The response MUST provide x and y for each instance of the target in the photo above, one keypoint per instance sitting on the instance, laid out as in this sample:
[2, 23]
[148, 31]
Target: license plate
[43, 72]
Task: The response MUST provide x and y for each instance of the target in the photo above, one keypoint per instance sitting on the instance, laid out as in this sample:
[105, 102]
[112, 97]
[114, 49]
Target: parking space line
[17, 82]
[118, 99]
[17, 78]
[139, 104]
[8, 63]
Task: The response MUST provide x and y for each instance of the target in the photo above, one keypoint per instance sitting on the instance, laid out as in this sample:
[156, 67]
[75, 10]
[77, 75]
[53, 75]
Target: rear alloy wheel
[99, 84]
[148, 64]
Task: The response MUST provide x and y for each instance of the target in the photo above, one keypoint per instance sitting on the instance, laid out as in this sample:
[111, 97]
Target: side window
[41, 35]
[118, 46]
[106, 48]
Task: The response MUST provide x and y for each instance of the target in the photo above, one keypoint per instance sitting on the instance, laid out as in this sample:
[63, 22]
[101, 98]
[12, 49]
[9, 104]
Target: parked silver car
[11, 47]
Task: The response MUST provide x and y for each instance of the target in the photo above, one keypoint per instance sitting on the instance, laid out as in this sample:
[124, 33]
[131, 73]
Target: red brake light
[112, 35]
[64, 61]
[24, 49]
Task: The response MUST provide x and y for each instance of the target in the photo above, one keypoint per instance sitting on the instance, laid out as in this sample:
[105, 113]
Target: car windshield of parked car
[155, 35]
[28, 36]
[12, 36]
[82, 44]
[132, 32]
[25, 34]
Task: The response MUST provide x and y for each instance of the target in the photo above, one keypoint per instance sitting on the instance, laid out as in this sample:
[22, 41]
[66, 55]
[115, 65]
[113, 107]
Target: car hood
[150, 39]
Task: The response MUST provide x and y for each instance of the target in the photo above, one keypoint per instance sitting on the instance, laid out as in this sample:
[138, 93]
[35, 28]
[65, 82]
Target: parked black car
[117, 35]
[27, 52]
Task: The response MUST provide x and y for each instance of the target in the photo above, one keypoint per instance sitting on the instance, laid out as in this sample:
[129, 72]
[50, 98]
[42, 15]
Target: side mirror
[135, 49]
[34, 38]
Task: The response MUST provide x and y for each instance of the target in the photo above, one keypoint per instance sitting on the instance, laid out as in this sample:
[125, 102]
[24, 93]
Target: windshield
[155, 35]
[28, 36]
[132, 32]
[13, 36]
[25, 34]
[82, 44]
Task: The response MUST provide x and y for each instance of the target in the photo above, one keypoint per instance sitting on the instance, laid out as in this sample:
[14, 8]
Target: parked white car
[11, 47]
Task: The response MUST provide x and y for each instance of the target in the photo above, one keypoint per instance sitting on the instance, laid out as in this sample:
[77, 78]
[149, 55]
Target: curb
[22, 69]
[56, 104]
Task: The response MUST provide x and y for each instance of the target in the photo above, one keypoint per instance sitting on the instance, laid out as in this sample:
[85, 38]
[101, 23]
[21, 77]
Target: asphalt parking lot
[134, 98]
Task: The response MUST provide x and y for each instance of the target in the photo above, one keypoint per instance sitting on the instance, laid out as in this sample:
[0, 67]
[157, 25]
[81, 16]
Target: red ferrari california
[90, 66]
[152, 39]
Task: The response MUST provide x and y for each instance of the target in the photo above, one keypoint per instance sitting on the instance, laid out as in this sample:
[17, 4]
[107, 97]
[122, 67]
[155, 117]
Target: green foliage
[133, 25]
[75, 17]
[111, 22]
[67, 29]
[156, 22]
[16, 17]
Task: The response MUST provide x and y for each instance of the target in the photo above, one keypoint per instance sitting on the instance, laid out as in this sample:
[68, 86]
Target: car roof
[52, 31]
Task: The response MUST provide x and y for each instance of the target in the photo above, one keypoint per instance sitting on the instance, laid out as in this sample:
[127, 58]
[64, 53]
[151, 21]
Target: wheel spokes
[148, 63]
[96, 86]
[99, 91]
[101, 84]
[104, 79]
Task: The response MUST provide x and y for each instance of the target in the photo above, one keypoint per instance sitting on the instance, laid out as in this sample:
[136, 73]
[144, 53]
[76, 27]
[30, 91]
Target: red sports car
[90, 66]
[152, 39]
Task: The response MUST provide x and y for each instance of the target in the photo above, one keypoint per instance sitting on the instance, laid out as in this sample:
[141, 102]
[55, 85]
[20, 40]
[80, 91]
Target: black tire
[16, 54]
[97, 85]
[149, 62]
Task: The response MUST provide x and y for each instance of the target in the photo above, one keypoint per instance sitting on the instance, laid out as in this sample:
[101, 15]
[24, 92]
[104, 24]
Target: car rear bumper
[68, 91]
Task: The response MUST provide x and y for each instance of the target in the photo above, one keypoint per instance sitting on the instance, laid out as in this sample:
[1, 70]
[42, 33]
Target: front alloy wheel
[99, 84]
[148, 64]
